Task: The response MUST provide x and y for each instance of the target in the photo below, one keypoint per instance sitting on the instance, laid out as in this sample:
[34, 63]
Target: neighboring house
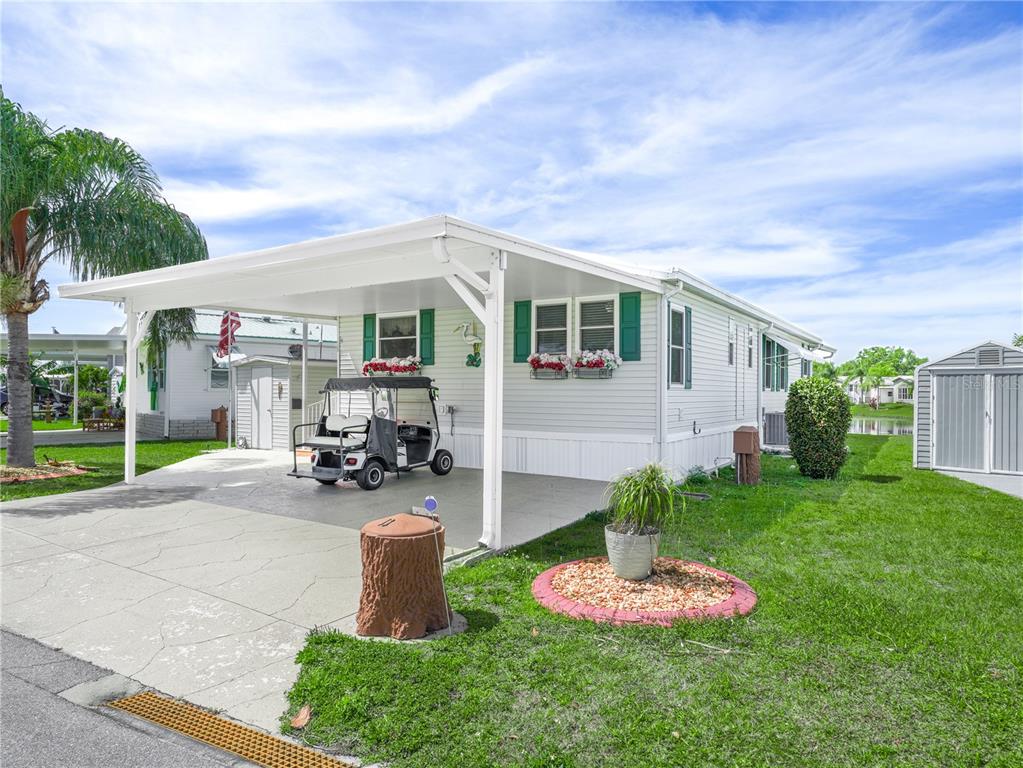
[893, 389]
[178, 396]
[697, 361]
[969, 411]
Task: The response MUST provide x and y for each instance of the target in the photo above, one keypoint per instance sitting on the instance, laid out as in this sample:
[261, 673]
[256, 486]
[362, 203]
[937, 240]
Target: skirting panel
[592, 459]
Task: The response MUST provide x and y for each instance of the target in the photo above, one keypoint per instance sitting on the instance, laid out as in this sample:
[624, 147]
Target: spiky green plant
[643, 501]
[87, 201]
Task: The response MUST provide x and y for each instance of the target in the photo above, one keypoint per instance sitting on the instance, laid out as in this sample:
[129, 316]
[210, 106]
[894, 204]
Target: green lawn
[39, 424]
[885, 410]
[110, 460]
[888, 632]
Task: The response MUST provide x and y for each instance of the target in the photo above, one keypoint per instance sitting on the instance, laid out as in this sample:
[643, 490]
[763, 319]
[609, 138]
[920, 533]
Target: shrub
[817, 417]
[89, 400]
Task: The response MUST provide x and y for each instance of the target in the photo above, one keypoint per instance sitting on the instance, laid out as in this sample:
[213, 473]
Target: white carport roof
[394, 268]
[90, 348]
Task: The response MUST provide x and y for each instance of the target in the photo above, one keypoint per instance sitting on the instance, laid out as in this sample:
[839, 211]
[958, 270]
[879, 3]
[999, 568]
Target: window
[749, 350]
[776, 366]
[731, 353]
[396, 336]
[676, 343]
[217, 369]
[551, 324]
[805, 368]
[903, 393]
[597, 326]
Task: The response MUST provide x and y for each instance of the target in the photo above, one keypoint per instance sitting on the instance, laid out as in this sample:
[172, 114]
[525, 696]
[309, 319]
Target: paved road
[43, 729]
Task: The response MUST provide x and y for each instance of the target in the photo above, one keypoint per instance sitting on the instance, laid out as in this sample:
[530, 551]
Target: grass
[887, 632]
[110, 460]
[885, 410]
[40, 424]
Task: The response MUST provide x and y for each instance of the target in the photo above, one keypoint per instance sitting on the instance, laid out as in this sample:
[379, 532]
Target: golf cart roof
[361, 383]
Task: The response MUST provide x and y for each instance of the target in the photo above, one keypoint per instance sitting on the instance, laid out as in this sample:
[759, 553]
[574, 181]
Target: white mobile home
[891, 389]
[969, 410]
[696, 361]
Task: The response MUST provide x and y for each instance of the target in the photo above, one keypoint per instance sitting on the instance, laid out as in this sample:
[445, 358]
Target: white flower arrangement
[601, 358]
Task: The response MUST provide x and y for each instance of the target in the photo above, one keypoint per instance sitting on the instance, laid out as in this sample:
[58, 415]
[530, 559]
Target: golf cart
[400, 433]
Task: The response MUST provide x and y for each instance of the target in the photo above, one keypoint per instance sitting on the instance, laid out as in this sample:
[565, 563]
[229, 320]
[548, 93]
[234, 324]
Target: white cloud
[803, 162]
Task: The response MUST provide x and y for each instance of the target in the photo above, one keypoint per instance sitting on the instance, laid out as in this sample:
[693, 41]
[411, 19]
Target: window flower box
[395, 365]
[597, 364]
[548, 366]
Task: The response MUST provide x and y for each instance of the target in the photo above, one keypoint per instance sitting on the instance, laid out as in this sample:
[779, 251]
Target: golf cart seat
[351, 429]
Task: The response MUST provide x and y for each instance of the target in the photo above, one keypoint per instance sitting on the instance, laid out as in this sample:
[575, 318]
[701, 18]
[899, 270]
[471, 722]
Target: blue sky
[854, 168]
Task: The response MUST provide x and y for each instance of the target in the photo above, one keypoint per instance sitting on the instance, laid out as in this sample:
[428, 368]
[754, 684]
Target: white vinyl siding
[722, 397]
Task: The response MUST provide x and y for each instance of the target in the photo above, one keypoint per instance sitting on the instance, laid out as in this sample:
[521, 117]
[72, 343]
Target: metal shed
[968, 411]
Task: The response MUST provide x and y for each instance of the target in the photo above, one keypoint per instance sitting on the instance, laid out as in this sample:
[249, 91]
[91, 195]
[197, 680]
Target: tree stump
[402, 580]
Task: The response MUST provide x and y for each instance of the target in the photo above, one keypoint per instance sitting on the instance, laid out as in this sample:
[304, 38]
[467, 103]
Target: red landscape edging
[739, 604]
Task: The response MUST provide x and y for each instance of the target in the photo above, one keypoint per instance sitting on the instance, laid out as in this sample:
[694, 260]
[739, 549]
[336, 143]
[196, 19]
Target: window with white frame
[731, 353]
[805, 368]
[217, 370]
[749, 349]
[677, 347]
[903, 393]
[397, 335]
[597, 323]
[550, 321]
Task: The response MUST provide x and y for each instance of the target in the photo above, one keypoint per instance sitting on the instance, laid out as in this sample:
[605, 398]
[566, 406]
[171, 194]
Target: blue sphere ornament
[430, 503]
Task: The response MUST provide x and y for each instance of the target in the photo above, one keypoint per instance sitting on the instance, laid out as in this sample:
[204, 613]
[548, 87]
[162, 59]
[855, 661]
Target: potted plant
[640, 504]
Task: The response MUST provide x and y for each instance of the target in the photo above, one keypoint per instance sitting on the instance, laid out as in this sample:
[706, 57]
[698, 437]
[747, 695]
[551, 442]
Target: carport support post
[131, 363]
[493, 404]
[74, 388]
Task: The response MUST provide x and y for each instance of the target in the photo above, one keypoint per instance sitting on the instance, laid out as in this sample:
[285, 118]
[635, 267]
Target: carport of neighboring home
[440, 267]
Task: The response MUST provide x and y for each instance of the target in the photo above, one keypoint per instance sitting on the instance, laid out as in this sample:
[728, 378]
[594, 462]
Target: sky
[856, 169]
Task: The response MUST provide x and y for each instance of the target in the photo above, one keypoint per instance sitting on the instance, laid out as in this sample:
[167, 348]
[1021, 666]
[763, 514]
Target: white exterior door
[262, 408]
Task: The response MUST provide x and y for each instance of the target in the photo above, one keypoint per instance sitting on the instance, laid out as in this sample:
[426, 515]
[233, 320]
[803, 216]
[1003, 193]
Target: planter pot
[631, 555]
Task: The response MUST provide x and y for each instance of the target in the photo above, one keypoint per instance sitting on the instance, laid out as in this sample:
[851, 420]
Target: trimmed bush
[89, 400]
[817, 417]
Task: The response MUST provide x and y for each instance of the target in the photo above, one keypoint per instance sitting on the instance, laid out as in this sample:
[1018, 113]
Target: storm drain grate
[253, 745]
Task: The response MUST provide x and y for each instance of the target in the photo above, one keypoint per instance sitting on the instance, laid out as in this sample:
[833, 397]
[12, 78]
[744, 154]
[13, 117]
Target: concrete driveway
[203, 580]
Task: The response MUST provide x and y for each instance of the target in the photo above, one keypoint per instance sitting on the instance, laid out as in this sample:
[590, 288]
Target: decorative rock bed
[588, 589]
[39, 472]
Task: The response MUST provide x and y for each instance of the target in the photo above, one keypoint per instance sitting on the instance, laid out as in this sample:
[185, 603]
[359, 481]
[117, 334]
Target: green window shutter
[629, 325]
[689, 348]
[783, 363]
[522, 321]
[369, 337]
[765, 366]
[426, 336]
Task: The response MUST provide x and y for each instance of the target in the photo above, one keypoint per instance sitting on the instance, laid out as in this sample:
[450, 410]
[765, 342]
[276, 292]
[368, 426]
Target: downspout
[761, 329]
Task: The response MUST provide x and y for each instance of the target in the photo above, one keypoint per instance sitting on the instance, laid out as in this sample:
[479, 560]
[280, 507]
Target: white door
[262, 408]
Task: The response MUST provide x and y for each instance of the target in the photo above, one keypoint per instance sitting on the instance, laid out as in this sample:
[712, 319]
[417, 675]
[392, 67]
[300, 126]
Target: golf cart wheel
[371, 476]
[442, 462]
[326, 482]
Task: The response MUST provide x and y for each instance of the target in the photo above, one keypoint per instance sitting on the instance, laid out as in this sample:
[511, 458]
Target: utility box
[219, 417]
[746, 445]
[745, 440]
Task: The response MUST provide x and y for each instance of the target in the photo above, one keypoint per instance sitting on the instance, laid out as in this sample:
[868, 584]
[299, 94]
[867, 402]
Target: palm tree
[89, 202]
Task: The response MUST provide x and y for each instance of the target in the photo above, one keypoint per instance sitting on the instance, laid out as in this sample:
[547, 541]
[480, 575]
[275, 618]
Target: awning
[794, 347]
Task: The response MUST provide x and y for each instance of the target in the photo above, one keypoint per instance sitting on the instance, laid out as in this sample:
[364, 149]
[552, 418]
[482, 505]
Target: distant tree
[92, 378]
[88, 203]
[826, 370]
[876, 374]
[1017, 340]
[902, 361]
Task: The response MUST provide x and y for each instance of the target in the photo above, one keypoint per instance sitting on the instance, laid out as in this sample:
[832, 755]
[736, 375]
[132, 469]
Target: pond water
[876, 425]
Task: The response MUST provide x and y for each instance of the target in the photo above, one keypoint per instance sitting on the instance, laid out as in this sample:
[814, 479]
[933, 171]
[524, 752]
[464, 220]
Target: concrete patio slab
[204, 579]
[1010, 484]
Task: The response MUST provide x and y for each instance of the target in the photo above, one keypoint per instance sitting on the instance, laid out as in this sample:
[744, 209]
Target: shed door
[1006, 418]
[959, 421]
[262, 405]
